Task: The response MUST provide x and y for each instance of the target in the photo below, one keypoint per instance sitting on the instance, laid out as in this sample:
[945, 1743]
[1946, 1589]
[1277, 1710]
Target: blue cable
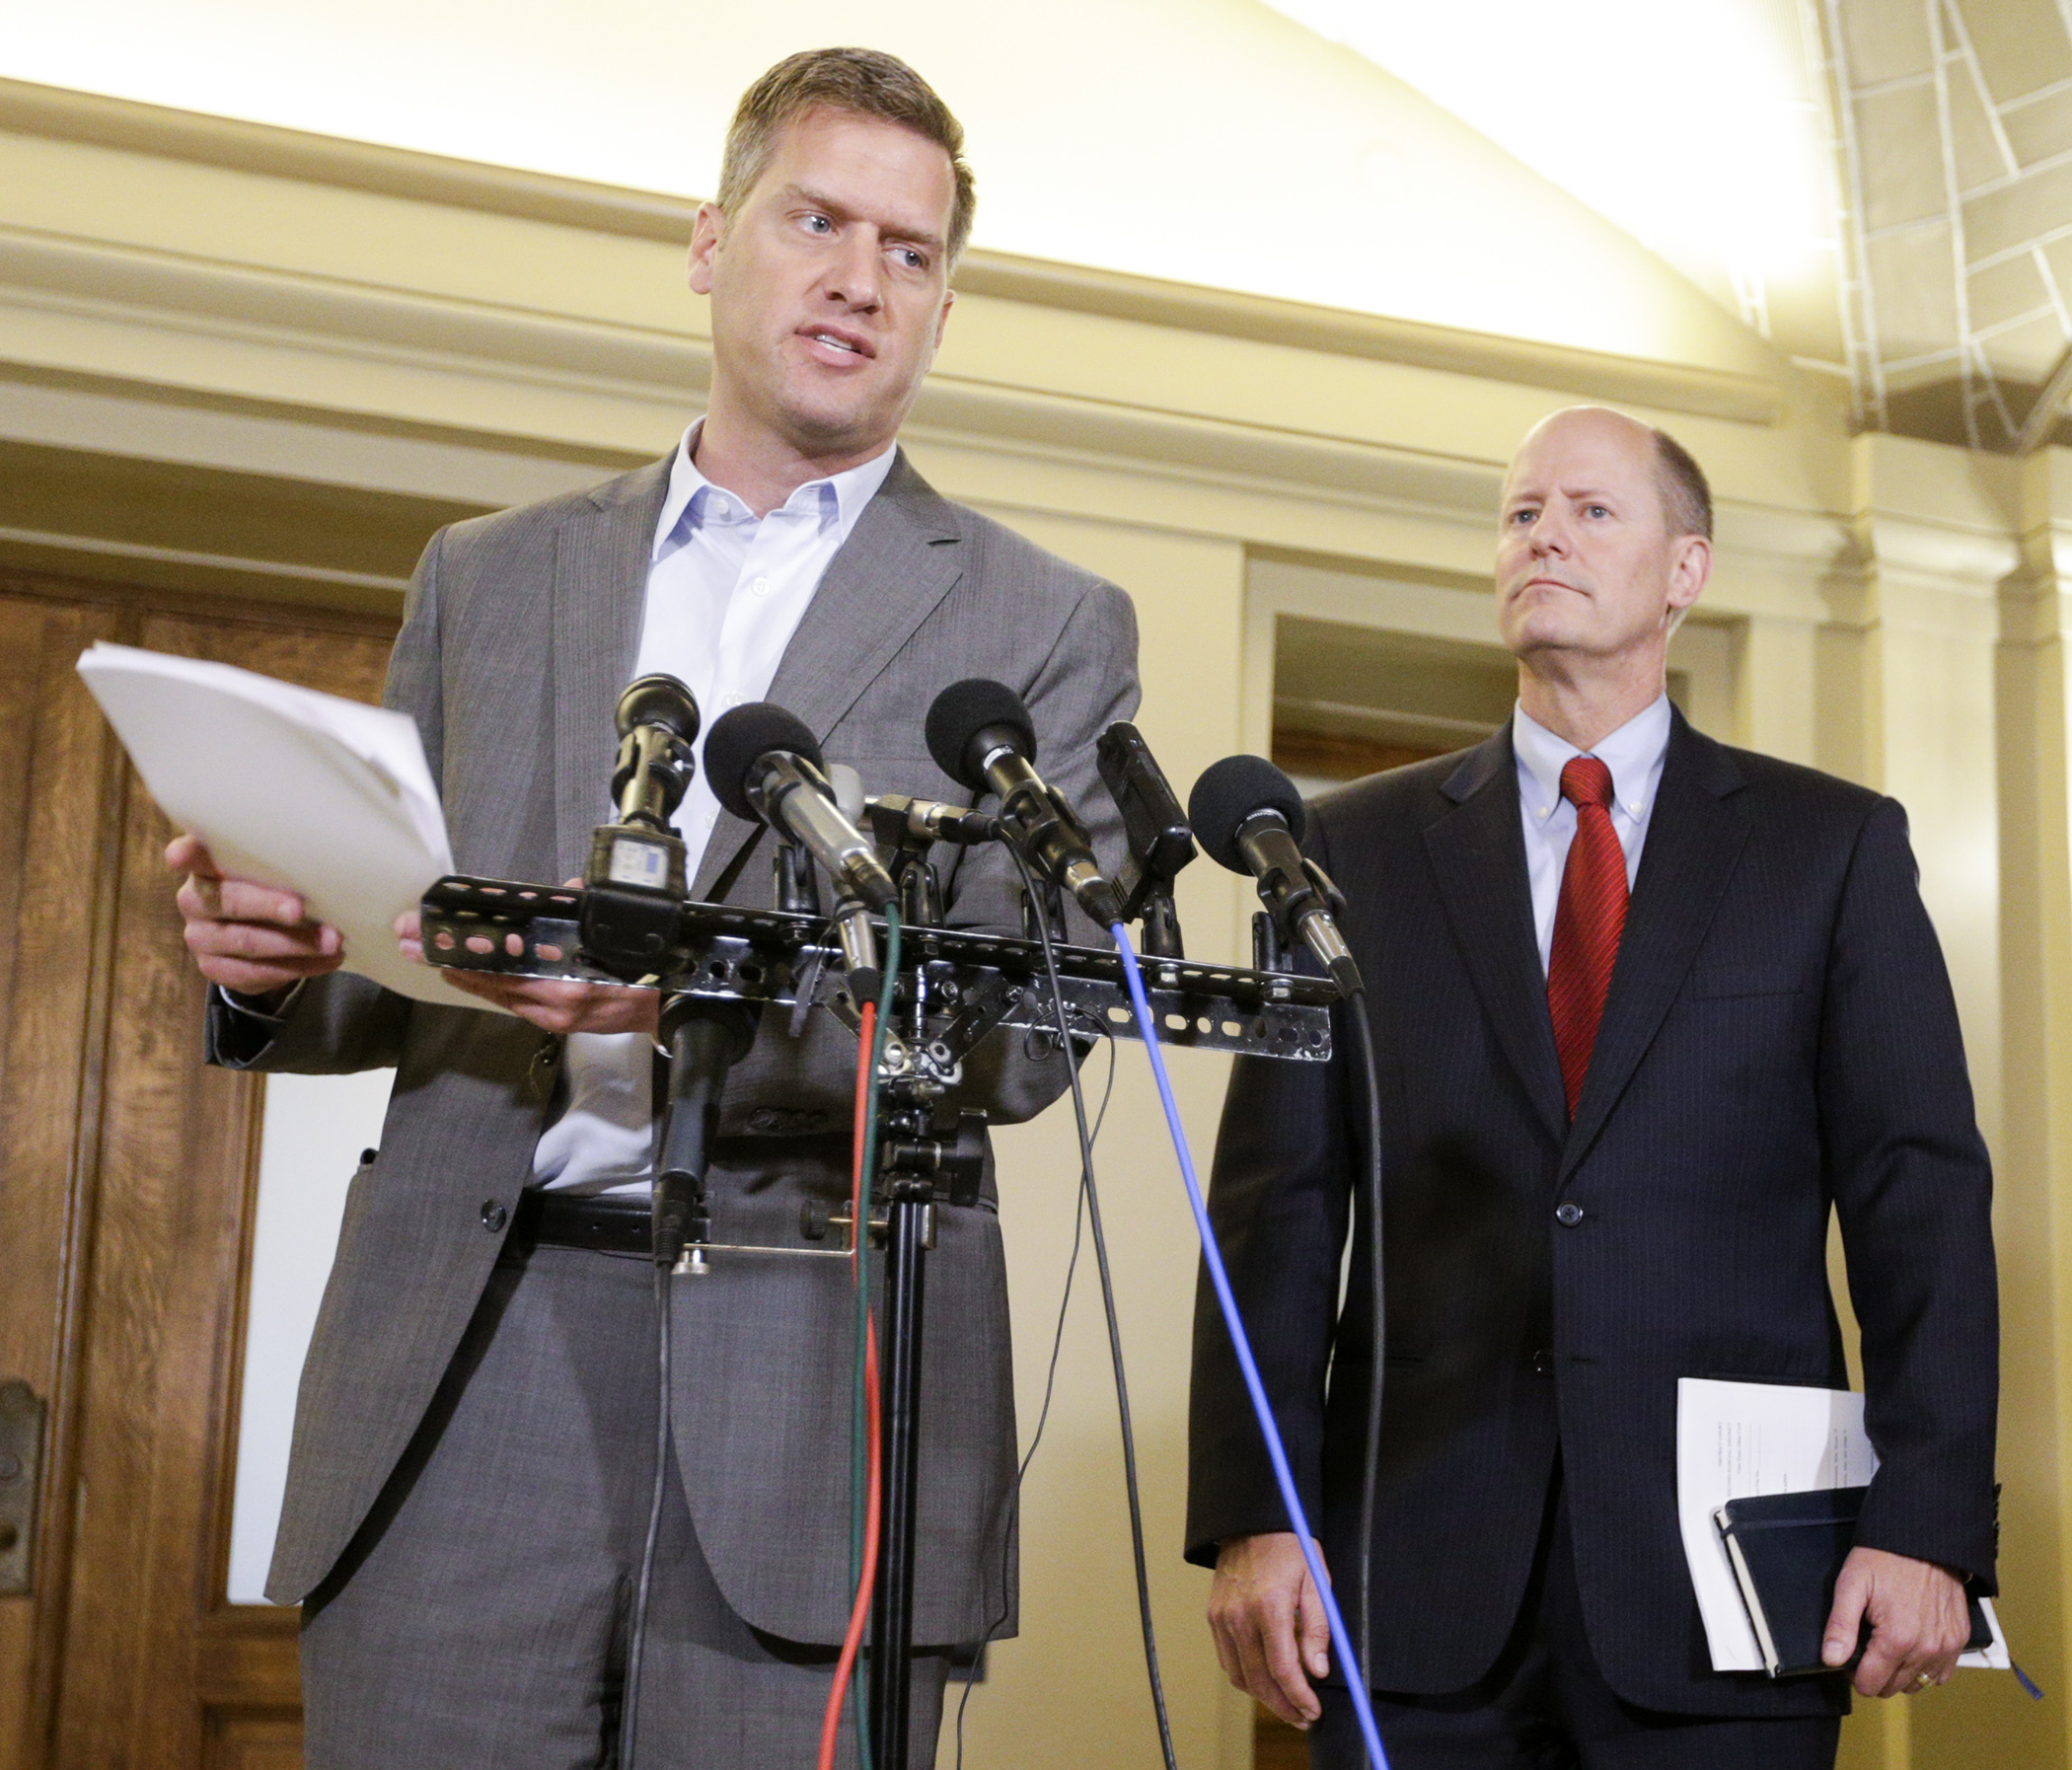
[1241, 1343]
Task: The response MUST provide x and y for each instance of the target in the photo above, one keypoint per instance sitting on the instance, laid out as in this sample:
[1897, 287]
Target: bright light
[1694, 124]
[1210, 142]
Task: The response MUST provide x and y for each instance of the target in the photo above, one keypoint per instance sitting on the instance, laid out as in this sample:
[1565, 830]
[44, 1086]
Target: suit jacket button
[1568, 1213]
[494, 1216]
[1543, 1362]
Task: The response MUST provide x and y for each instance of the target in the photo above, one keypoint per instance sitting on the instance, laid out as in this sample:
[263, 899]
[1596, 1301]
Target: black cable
[1115, 1355]
[1356, 1012]
[1050, 1383]
[629, 1714]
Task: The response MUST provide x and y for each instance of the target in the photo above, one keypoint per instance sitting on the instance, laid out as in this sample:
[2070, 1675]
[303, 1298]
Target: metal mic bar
[974, 981]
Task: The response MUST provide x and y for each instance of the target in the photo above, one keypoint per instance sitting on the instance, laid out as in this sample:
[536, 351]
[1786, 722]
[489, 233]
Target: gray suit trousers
[479, 1621]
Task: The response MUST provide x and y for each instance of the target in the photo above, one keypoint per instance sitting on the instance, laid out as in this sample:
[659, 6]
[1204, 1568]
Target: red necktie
[1588, 922]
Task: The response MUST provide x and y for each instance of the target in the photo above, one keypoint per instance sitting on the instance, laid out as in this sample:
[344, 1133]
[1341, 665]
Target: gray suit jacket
[521, 630]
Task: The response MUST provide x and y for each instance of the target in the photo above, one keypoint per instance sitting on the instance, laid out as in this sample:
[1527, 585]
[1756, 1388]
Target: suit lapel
[600, 593]
[899, 562]
[1478, 857]
[1696, 836]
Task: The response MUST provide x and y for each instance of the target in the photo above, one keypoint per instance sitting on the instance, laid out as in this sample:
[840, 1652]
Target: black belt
[608, 1226]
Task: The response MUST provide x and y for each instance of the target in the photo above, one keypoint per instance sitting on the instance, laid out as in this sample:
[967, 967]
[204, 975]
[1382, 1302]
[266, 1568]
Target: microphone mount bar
[967, 982]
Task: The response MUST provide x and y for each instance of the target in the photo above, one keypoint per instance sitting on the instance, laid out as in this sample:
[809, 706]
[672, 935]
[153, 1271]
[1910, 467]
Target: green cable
[860, 1424]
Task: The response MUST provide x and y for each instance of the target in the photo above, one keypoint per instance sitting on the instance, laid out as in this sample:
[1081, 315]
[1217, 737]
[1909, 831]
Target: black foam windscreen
[739, 737]
[1228, 792]
[658, 699]
[963, 711]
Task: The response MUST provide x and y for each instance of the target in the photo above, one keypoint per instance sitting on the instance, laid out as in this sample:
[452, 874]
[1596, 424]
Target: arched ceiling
[1881, 186]
[1957, 149]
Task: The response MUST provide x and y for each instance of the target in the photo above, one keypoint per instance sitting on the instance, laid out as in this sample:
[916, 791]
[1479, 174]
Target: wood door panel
[162, 1317]
[255, 1741]
[177, 1677]
[126, 1175]
[250, 1686]
[57, 893]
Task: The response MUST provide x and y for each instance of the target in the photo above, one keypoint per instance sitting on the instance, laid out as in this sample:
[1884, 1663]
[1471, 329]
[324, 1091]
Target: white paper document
[1734, 1440]
[324, 796]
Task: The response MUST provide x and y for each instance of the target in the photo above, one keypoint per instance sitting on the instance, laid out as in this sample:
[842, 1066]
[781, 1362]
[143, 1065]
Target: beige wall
[276, 365]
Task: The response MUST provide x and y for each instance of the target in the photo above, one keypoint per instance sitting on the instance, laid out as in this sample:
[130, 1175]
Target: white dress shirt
[1634, 754]
[725, 592]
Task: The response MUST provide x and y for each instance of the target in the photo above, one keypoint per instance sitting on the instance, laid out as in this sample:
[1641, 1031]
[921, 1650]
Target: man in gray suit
[475, 1440]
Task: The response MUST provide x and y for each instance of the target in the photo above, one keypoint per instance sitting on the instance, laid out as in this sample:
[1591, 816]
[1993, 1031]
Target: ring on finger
[1922, 1681]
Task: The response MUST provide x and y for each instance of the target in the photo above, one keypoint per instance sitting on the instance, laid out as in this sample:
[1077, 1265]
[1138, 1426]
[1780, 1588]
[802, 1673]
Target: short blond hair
[861, 82]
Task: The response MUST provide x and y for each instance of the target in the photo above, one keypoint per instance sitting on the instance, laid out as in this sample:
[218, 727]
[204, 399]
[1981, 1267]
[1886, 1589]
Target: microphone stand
[923, 1146]
[909, 1228]
[705, 1039]
[716, 967]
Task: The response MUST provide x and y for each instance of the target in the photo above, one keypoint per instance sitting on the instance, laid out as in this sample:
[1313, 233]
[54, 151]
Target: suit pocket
[1713, 983]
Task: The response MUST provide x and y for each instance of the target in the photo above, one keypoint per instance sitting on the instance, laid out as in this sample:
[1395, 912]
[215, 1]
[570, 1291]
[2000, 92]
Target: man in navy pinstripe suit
[1647, 1010]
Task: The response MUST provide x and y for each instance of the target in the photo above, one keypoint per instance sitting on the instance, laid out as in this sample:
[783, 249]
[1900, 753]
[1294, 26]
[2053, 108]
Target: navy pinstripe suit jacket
[1780, 1041]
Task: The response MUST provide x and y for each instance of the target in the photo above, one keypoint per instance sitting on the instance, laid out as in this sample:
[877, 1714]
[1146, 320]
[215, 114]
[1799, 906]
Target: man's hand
[553, 1006]
[255, 940]
[1918, 1619]
[1269, 1623]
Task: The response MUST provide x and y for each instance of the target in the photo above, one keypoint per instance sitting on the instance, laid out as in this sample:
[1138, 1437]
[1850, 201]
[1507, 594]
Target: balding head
[1687, 497]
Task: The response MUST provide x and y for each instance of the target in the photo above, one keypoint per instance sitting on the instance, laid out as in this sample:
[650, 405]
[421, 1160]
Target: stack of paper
[1734, 1439]
[324, 796]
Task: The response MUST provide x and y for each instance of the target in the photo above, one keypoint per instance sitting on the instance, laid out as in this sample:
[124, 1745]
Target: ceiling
[1879, 189]
[1955, 144]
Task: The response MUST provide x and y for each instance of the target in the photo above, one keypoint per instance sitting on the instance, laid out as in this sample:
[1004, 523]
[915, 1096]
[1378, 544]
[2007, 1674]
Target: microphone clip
[1326, 887]
[633, 886]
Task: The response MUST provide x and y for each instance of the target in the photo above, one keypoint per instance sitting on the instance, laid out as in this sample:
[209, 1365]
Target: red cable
[859, 1612]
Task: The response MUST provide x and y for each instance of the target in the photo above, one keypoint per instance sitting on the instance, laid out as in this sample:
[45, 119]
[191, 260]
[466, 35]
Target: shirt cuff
[248, 1011]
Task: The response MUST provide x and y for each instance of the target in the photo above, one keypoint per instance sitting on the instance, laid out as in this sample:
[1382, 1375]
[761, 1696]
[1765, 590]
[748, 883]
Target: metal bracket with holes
[964, 981]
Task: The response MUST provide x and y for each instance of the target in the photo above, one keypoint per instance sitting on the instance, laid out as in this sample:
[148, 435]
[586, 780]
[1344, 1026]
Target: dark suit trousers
[480, 1618]
[1545, 1706]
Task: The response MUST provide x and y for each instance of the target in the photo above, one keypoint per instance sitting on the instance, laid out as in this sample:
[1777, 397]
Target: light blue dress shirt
[1634, 754]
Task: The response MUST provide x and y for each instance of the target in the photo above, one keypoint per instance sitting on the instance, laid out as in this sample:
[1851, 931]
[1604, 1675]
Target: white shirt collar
[693, 500]
[1634, 754]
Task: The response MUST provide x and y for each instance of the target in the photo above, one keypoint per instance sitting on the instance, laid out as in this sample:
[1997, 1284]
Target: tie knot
[1585, 781]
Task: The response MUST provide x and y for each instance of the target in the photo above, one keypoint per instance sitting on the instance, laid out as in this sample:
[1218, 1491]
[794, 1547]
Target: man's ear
[949, 300]
[705, 241]
[1690, 566]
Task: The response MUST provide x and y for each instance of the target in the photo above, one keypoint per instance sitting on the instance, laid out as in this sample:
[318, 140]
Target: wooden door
[126, 1182]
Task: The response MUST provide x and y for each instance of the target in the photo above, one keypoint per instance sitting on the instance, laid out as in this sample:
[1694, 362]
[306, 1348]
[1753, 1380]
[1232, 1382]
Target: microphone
[1247, 816]
[981, 736]
[634, 878]
[764, 763]
[657, 721]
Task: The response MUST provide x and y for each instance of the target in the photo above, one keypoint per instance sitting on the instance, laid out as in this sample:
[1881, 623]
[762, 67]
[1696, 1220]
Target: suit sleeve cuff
[239, 1030]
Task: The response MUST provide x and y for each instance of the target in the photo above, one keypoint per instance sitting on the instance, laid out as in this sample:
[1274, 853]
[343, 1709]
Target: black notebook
[1787, 1551]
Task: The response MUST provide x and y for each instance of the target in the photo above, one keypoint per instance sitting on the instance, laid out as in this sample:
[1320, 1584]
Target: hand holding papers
[322, 797]
[1734, 1440]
